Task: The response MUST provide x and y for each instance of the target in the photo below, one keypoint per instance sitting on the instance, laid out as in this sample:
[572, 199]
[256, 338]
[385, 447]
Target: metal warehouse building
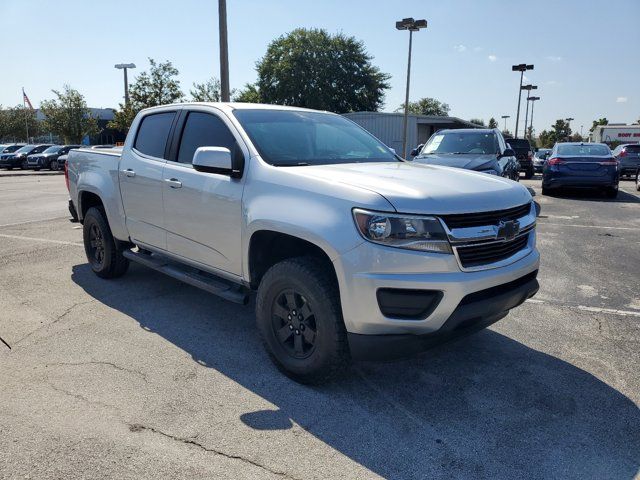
[388, 126]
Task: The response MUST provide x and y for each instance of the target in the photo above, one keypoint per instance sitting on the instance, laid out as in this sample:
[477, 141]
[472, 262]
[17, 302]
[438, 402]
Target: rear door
[203, 211]
[141, 184]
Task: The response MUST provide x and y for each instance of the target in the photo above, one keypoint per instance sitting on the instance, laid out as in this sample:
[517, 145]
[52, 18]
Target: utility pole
[528, 88]
[533, 102]
[413, 26]
[569, 122]
[522, 67]
[225, 92]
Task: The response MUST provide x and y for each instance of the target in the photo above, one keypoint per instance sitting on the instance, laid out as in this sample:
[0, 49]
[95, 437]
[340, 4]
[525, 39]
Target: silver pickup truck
[354, 252]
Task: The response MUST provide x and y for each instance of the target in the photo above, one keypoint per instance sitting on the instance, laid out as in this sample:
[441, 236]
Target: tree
[249, 94]
[600, 121]
[561, 130]
[208, 91]
[427, 106]
[546, 139]
[311, 68]
[14, 121]
[478, 121]
[159, 86]
[493, 123]
[68, 116]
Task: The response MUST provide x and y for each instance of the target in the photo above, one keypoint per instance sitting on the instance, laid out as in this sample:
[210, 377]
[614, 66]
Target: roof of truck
[230, 106]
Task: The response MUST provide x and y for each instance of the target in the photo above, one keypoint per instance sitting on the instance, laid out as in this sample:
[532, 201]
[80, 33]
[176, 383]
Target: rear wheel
[299, 318]
[54, 166]
[24, 165]
[611, 192]
[104, 252]
[528, 173]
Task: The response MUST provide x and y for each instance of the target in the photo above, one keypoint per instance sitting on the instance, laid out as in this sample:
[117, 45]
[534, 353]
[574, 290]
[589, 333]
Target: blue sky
[586, 53]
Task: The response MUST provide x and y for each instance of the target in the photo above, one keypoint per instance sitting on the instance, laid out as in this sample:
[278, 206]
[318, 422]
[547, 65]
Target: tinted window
[586, 150]
[153, 134]
[54, 149]
[519, 143]
[632, 149]
[295, 137]
[204, 130]
[40, 149]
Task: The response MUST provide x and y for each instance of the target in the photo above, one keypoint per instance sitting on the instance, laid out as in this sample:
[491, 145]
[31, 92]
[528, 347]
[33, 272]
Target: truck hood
[426, 189]
[468, 161]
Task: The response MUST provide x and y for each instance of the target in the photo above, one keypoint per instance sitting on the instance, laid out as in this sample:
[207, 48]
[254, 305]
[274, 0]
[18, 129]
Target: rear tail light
[609, 162]
[555, 161]
[623, 153]
[66, 174]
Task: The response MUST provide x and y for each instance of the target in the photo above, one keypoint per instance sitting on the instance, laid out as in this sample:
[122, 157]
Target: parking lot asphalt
[145, 377]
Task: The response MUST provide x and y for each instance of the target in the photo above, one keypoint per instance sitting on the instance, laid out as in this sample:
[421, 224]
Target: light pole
[125, 67]
[528, 88]
[581, 126]
[225, 93]
[522, 67]
[569, 122]
[532, 100]
[504, 117]
[413, 26]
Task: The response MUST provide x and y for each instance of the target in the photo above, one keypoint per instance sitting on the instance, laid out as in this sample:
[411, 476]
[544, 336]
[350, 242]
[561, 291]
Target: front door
[203, 211]
[141, 182]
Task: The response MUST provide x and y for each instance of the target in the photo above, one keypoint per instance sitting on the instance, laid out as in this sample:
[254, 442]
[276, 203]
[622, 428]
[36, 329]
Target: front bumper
[368, 268]
[476, 311]
[11, 162]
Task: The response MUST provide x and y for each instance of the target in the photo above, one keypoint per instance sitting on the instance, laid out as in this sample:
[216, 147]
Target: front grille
[482, 219]
[487, 253]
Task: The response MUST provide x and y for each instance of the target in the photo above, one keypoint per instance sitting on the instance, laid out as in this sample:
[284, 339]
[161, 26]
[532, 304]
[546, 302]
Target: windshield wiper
[298, 164]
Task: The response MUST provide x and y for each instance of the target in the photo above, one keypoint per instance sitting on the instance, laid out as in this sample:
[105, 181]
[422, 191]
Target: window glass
[204, 130]
[295, 137]
[462, 142]
[584, 150]
[153, 133]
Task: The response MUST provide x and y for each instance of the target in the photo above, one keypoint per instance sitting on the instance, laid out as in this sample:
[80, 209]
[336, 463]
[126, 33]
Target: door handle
[173, 182]
[129, 173]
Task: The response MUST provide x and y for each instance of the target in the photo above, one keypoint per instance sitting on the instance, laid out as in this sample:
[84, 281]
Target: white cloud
[552, 82]
[492, 58]
[525, 79]
[477, 49]
[621, 100]
[460, 48]
[554, 58]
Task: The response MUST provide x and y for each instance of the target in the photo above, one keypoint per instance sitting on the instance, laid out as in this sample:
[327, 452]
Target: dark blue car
[581, 165]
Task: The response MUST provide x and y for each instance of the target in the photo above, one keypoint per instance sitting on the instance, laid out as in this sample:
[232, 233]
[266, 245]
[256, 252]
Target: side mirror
[213, 160]
[508, 153]
[416, 151]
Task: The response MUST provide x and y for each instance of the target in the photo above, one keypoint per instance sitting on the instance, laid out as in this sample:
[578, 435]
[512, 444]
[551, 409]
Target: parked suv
[482, 150]
[628, 156]
[524, 154]
[49, 157]
[353, 252]
[18, 159]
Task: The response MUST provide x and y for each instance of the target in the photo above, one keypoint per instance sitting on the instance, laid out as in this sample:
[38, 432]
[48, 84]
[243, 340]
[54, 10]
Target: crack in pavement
[80, 397]
[55, 320]
[96, 362]
[136, 427]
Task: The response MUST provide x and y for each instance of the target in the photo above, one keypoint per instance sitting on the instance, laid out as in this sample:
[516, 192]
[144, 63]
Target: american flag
[26, 100]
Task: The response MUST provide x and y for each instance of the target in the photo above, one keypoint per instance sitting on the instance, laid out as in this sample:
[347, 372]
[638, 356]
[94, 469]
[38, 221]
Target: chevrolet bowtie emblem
[507, 230]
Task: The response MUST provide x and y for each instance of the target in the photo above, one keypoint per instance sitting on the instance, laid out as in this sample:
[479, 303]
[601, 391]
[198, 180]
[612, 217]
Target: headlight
[491, 171]
[412, 232]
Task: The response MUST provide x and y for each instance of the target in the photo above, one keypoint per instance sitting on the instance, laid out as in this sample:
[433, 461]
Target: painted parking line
[31, 221]
[44, 240]
[584, 308]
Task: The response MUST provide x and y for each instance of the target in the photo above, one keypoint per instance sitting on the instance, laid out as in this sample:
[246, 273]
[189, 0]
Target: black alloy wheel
[294, 324]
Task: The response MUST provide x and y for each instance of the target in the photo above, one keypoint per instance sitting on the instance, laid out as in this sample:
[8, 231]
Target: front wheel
[103, 251]
[54, 166]
[299, 318]
[528, 173]
[611, 192]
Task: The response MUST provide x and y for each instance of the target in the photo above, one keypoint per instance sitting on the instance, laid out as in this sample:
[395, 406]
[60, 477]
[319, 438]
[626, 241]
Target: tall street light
[532, 100]
[225, 92]
[528, 88]
[125, 67]
[522, 67]
[413, 26]
[504, 117]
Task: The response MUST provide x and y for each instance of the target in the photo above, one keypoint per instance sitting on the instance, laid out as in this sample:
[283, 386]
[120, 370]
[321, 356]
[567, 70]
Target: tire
[24, 165]
[611, 192]
[103, 251]
[546, 191]
[37, 169]
[638, 181]
[305, 286]
[54, 166]
[528, 174]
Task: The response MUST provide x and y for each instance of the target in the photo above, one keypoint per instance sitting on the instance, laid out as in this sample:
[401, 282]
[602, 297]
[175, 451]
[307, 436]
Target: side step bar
[205, 281]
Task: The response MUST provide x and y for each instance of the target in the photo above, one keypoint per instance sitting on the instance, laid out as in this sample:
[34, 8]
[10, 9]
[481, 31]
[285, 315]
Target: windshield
[25, 149]
[290, 138]
[462, 142]
[54, 149]
[632, 149]
[583, 150]
[518, 143]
